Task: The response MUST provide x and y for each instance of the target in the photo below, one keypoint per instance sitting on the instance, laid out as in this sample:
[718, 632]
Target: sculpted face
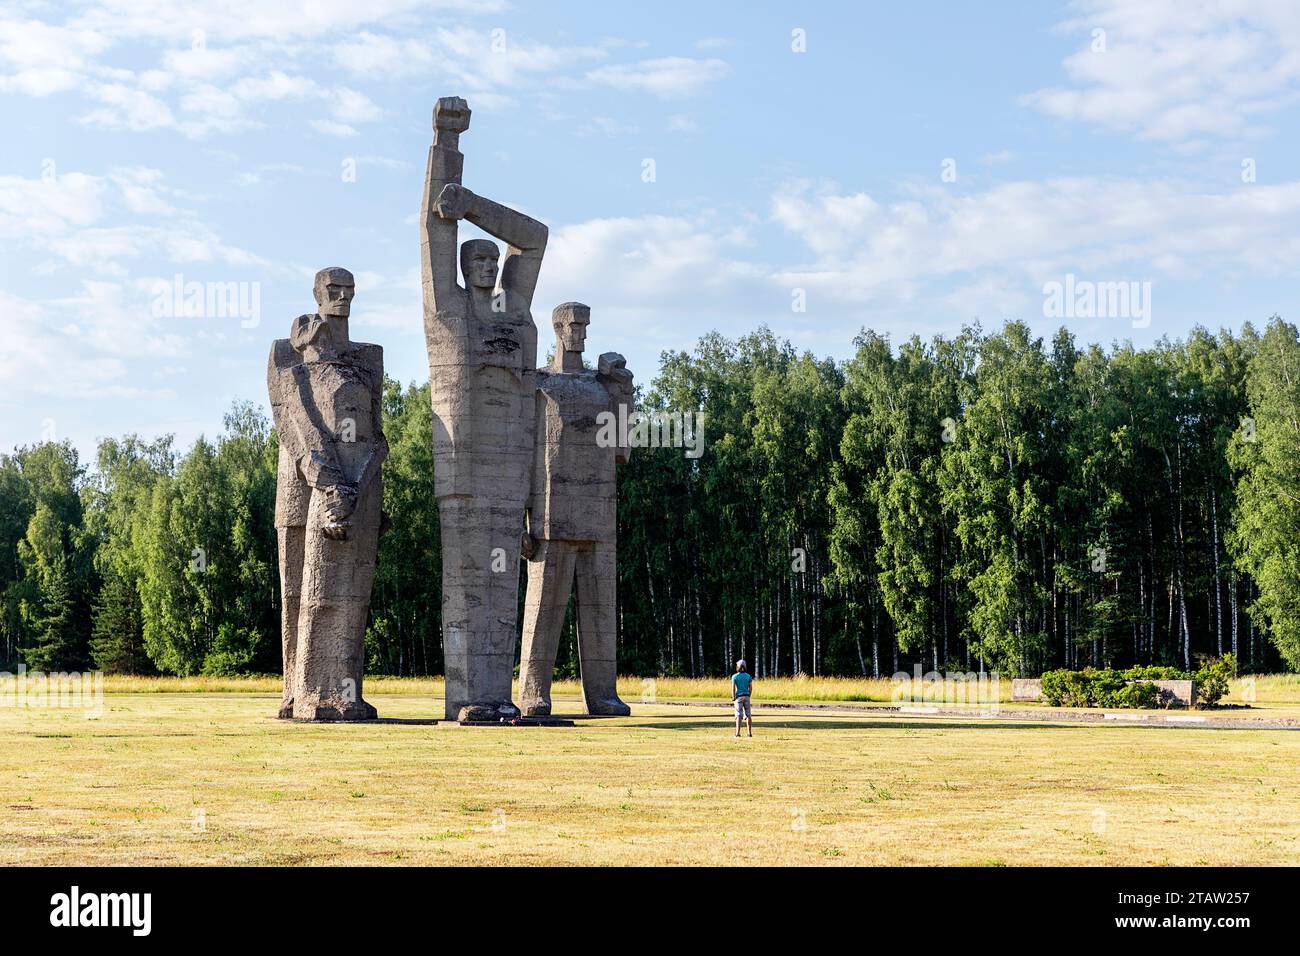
[479, 263]
[336, 299]
[571, 330]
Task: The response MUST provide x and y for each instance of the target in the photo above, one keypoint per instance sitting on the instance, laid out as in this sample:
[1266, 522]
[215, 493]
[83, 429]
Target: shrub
[1137, 696]
[1212, 680]
[1155, 672]
[1091, 687]
[1065, 688]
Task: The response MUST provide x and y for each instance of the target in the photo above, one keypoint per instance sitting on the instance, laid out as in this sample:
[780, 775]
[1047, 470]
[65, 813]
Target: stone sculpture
[325, 395]
[573, 518]
[482, 347]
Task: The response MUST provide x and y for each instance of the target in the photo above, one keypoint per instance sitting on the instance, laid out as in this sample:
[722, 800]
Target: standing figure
[482, 346]
[326, 393]
[573, 518]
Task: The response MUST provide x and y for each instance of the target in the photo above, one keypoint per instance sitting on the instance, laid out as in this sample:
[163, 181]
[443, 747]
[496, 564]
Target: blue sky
[147, 139]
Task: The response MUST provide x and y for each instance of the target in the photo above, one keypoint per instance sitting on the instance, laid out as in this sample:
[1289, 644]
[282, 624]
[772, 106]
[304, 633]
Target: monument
[326, 395]
[482, 347]
[573, 518]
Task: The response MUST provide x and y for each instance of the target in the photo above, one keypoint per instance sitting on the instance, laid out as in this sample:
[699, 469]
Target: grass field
[209, 777]
[1270, 690]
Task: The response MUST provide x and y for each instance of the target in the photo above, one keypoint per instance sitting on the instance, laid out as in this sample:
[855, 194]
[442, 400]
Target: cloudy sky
[908, 167]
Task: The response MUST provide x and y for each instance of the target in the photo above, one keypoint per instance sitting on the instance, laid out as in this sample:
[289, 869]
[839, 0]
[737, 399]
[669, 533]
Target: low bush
[1212, 679]
[1094, 687]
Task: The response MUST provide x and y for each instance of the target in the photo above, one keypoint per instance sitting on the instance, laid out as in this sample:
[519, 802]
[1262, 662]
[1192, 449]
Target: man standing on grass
[741, 683]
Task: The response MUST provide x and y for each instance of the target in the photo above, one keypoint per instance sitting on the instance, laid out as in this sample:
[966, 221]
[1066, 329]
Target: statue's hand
[527, 546]
[451, 113]
[453, 202]
[340, 502]
[609, 361]
[614, 367]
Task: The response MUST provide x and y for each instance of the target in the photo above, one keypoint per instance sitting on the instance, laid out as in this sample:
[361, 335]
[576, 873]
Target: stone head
[478, 263]
[570, 320]
[334, 290]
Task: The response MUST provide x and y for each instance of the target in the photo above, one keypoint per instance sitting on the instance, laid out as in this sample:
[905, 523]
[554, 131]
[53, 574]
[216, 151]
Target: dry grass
[1267, 693]
[666, 786]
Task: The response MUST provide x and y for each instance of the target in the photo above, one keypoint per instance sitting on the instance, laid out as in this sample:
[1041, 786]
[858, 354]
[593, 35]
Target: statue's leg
[500, 574]
[291, 541]
[457, 609]
[480, 541]
[364, 539]
[550, 582]
[336, 581]
[597, 579]
[480, 601]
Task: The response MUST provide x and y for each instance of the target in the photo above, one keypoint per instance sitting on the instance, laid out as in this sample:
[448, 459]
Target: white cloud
[207, 63]
[607, 126]
[63, 215]
[245, 19]
[37, 208]
[374, 55]
[1019, 233]
[75, 349]
[332, 128]
[39, 82]
[1174, 70]
[125, 108]
[667, 77]
[643, 259]
[31, 44]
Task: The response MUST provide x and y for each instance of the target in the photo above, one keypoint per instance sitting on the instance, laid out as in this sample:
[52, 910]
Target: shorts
[742, 708]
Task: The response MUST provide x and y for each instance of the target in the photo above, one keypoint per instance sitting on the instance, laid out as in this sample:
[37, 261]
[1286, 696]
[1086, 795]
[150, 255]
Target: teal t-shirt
[740, 684]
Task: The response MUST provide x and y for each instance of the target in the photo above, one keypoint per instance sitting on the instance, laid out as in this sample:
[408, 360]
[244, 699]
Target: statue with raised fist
[482, 347]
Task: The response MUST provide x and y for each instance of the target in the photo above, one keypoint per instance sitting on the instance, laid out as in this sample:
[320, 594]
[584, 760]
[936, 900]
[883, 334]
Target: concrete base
[1026, 688]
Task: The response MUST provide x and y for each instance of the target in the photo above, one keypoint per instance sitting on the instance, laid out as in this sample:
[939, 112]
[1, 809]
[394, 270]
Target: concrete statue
[325, 395]
[482, 347]
[573, 518]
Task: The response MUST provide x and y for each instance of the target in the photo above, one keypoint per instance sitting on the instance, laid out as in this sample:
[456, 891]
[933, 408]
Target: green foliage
[1135, 695]
[1212, 680]
[1093, 687]
[1264, 450]
[985, 501]
[404, 637]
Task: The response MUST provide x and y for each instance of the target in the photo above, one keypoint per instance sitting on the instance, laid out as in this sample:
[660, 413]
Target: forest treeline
[981, 501]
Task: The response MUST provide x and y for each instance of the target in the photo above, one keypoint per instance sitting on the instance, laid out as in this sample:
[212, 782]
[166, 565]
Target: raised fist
[452, 114]
[453, 202]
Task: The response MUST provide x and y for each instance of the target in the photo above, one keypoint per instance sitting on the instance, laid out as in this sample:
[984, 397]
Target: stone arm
[438, 247]
[298, 426]
[538, 476]
[524, 236]
[529, 403]
[446, 317]
[613, 373]
[374, 356]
